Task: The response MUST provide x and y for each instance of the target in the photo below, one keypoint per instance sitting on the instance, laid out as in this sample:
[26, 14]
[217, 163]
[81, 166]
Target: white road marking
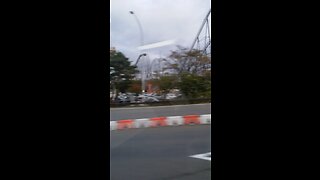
[205, 156]
[114, 109]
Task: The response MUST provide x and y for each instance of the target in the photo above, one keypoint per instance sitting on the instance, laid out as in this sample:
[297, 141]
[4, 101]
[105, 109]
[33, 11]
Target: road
[160, 153]
[149, 112]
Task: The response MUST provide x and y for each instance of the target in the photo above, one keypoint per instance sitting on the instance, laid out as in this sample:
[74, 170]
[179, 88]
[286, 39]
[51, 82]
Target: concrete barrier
[161, 122]
[205, 119]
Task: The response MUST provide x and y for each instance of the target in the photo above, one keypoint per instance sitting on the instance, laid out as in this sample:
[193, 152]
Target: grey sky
[160, 19]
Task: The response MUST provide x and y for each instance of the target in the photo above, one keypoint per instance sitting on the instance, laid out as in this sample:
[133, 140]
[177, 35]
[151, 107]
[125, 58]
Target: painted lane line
[205, 156]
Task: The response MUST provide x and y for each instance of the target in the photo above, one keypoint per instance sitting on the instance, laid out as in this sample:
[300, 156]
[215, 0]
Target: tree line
[187, 70]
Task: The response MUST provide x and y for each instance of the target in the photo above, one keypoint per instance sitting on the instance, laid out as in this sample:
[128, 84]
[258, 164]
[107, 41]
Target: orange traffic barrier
[123, 124]
[191, 119]
[158, 121]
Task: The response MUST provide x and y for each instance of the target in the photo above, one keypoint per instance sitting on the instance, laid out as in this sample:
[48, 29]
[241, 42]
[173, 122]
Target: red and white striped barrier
[160, 122]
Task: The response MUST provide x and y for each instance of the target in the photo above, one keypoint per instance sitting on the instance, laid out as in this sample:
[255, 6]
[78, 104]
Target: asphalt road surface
[149, 112]
[160, 153]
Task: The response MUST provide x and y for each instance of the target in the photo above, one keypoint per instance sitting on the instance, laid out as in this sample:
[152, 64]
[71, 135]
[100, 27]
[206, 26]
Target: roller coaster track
[202, 42]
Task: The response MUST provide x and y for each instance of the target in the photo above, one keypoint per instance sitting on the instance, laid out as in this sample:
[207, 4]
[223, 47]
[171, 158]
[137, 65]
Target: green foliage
[166, 83]
[121, 71]
[195, 86]
[184, 60]
[192, 71]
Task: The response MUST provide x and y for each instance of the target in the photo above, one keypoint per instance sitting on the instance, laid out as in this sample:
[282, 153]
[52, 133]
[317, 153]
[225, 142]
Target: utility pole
[141, 43]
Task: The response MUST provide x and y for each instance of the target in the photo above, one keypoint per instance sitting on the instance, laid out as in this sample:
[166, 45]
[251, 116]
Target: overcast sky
[161, 20]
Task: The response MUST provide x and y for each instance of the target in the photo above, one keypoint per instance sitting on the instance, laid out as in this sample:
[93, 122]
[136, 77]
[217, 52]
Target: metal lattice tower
[202, 42]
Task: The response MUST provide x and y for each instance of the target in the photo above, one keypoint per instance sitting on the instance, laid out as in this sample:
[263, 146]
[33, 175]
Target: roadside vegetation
[184, 77]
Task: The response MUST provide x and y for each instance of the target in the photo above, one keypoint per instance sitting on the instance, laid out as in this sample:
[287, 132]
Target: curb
[160, 122]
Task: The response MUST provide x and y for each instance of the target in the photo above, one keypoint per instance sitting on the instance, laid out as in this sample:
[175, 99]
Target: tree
[167, 83]
[135, 86]
[195, 86]
[121, 72]
[188, 61]
[193, 72]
